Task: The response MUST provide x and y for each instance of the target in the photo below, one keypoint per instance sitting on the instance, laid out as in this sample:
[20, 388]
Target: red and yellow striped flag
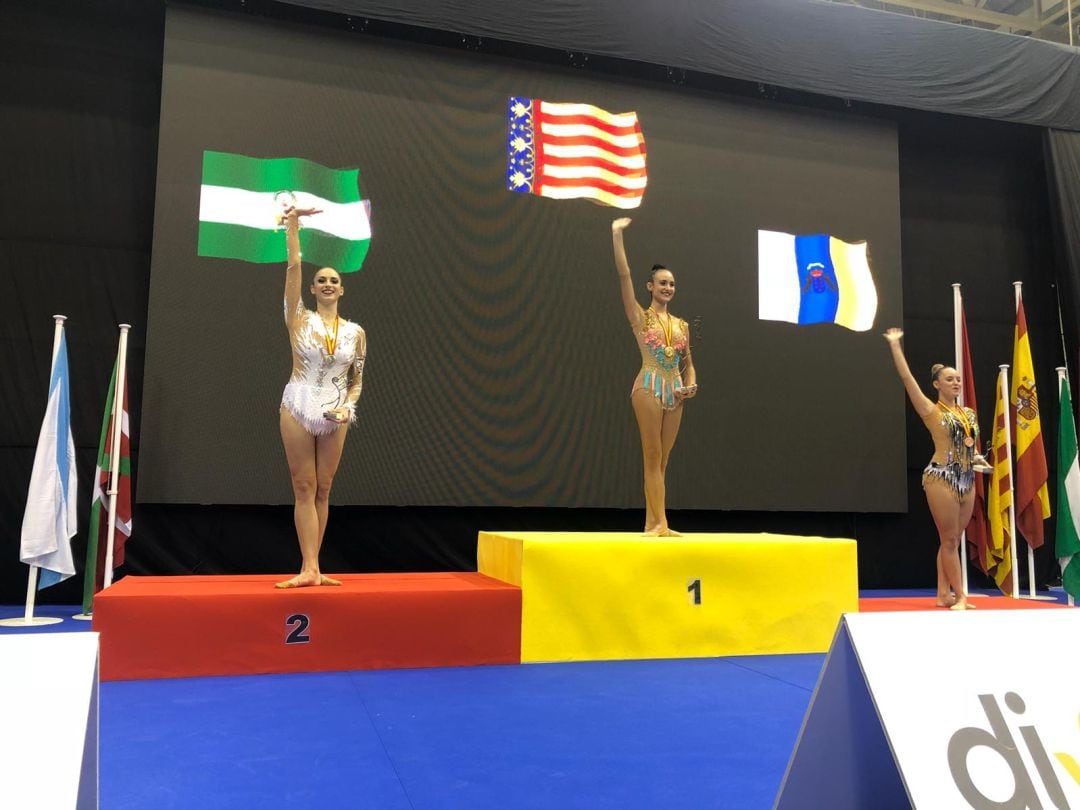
[1032, 495]
[999, 499]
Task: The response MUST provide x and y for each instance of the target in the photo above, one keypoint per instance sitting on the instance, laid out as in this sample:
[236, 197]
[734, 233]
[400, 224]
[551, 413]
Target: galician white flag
[49, 522]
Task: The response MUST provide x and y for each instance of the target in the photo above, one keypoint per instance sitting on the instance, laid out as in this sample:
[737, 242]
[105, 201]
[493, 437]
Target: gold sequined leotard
[662, 350]
[955, 433]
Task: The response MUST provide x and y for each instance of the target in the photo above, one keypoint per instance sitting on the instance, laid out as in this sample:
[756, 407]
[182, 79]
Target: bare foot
[652, 531]
[669, 532]
[946, 600]
[325, 580]
[301, 580]
[963, 605]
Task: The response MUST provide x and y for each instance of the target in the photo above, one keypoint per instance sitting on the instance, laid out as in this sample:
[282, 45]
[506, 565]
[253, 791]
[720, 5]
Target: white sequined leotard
[320, 381]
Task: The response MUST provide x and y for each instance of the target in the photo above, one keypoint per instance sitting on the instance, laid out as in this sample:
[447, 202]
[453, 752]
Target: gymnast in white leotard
[319, 401]
[666, 380]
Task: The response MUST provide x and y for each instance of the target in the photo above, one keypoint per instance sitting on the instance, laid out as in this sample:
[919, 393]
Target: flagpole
[32, 581]
[1063, 381]
[118, 429]
[958, 354]
[1003, 382]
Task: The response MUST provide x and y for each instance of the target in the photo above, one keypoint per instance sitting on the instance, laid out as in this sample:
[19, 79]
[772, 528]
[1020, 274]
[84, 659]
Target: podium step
[599, 596]
[176, 627]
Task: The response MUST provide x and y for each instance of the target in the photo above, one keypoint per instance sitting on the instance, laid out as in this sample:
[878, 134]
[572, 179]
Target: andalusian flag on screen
[999, 500]
[570, 151]
[815, 279]
[1067, 545]
[1032, 497]
[243, 198]
[94, 578]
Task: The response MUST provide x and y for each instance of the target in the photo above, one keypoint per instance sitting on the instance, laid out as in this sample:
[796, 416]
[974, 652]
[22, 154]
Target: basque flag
[815, 279]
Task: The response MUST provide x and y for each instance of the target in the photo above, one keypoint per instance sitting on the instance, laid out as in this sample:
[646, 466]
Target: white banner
[944, 709]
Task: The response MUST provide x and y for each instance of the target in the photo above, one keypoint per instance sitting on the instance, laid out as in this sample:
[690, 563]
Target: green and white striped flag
[243, 198]
[1067, 545]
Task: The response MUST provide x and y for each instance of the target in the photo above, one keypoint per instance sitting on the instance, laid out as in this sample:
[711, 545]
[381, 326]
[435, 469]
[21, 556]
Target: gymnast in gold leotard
[666, 379]
[949, 478]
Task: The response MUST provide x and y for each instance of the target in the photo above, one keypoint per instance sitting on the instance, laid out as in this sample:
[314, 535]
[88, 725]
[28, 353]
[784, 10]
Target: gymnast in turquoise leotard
[667, 377]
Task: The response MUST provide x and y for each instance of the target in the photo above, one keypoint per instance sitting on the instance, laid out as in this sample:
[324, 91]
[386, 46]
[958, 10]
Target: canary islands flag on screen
[815, 279]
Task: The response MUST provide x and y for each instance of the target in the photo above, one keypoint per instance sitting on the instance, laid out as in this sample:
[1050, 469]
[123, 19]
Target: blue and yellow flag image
[815, 279]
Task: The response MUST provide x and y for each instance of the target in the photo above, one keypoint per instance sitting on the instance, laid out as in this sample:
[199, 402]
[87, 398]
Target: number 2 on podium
[694, 589]
[299, 624]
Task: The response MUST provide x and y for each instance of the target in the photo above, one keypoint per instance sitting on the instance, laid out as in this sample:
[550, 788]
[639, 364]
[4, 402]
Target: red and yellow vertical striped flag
[999, 499]
[1032, 495]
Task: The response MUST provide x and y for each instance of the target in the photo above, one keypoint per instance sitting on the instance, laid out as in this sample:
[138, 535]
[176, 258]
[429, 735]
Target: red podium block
[178, 627]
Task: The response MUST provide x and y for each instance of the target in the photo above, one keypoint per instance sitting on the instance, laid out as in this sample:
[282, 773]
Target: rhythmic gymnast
[319, 401]
[949, 478]
[666, 379]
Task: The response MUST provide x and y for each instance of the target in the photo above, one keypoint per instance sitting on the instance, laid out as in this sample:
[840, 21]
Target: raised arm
[922, 403]
[626, 285]
[293, 301]
[294, 305]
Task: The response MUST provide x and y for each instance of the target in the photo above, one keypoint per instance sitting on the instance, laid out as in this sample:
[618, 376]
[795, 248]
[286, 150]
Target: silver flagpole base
[36, 621]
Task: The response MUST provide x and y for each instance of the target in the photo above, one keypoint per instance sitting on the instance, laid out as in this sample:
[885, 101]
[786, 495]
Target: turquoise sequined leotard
[659, 373]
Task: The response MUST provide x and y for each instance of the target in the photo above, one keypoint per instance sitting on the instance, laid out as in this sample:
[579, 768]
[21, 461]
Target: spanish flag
[1032, 495]
[999, 500]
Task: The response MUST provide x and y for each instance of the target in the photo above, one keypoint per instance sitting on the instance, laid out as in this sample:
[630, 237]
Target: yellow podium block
[588, 596]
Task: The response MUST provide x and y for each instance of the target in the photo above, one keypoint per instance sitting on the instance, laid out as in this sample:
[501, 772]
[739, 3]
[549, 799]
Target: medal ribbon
[331, 342]
[960, 415]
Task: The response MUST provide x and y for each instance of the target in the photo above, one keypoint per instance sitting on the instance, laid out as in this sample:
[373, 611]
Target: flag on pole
[1067, 542]
[1032, 496]
[998, 559]
[49, 522]
[94, 578]
[977, 531]
[243, 199]
[569, 151]
[807, 279]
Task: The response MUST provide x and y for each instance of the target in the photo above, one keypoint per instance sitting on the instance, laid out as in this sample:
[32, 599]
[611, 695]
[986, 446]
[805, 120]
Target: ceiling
[1045, 19]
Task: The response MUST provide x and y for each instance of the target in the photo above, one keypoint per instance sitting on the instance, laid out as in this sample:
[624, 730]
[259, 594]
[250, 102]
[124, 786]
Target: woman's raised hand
[620, 224]
[893, 335]
[293, 213]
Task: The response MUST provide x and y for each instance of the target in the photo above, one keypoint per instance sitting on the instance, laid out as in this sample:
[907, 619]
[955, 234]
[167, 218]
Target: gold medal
[969, 442]
[331, 342]
[669, 350]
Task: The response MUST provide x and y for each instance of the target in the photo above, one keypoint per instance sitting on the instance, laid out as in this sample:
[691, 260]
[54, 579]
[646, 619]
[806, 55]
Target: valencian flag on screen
[815, 279]
[243, 198]
[568, 151]
[1032, 497]
[94, 578]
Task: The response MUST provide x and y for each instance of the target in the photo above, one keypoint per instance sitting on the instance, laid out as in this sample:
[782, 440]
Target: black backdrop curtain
[1063, 165]
[79, 106]
[836, 49]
